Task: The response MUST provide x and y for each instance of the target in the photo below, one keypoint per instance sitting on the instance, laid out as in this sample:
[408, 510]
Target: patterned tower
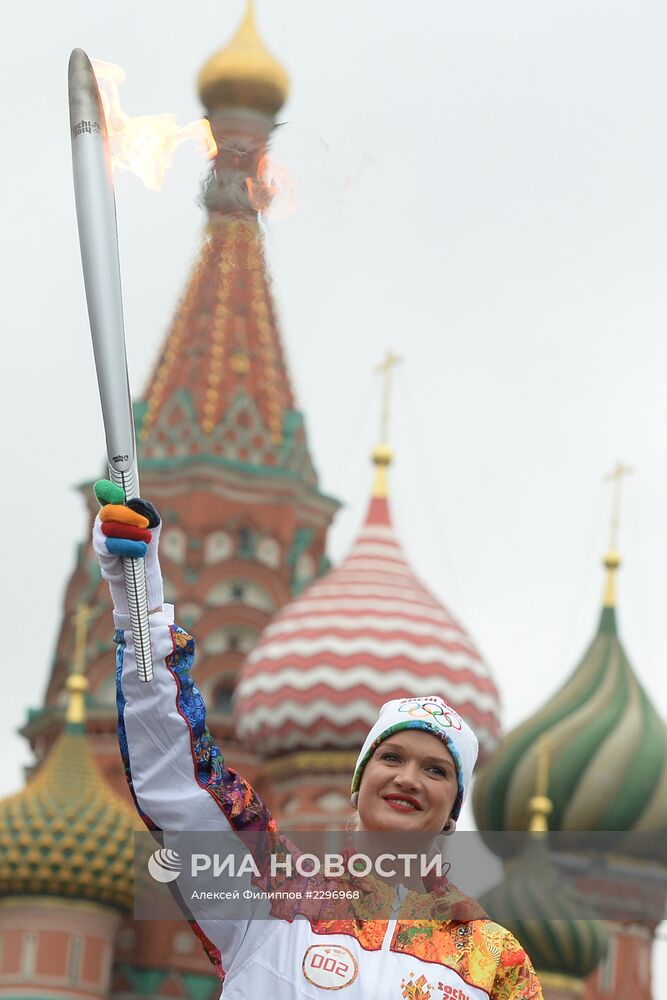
[222, 445]
[368, 632]
[608, 770]
[65, 867]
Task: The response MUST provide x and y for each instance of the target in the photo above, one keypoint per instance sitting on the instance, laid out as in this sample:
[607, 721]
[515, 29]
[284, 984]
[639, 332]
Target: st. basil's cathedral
[294, 657]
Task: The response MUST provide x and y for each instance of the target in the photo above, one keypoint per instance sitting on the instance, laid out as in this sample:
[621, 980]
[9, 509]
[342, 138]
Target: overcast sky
[482, 187]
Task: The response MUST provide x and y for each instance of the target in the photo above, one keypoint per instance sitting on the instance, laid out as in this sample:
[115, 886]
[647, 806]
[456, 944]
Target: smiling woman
[409, 785]
[411, 777]
[416, 764]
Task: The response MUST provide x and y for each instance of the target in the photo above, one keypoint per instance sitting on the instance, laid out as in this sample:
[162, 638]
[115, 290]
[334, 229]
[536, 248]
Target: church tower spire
[612, 560]
[382, 454]
[221, 387]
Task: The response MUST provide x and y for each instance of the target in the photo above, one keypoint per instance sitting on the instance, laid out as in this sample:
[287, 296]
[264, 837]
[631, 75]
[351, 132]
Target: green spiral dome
[608, 746]
[534, 905]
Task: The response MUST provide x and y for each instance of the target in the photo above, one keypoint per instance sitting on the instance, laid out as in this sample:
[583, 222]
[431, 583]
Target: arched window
[173, 543]
[240, 591]
[222, 698]
[268, 552]
[218, 547]
[229, 639]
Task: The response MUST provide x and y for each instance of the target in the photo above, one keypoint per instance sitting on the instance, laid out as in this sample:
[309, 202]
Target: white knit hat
[433, 715]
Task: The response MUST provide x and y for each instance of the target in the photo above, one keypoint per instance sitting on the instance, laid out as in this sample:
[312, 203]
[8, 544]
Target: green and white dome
[609, 747]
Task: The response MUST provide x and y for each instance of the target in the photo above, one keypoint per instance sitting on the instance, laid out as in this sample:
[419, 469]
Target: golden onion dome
[244, 73]
[67, 834]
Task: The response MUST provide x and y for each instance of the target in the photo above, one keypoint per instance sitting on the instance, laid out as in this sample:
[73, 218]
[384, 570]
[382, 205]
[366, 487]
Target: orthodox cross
[386, 370]
[616, 476]
[76, 682]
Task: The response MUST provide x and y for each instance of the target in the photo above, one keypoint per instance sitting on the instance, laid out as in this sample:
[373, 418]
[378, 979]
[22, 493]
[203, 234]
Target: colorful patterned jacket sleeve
[515, 979]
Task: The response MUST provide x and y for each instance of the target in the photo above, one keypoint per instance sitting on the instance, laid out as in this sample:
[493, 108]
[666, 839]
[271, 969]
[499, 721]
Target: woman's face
[408, 785]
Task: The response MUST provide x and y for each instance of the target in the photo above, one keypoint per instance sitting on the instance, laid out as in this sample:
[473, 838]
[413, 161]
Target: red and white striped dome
[366, 633]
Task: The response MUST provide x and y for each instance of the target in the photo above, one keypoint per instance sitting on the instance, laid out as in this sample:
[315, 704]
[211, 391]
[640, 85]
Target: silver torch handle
[98, 240]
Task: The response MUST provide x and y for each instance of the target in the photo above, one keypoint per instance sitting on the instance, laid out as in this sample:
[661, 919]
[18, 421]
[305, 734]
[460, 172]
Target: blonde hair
[353, 824]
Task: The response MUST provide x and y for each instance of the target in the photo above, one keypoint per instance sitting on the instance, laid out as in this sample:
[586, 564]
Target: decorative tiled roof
[67, 834]
[221, 385]
[367, 632]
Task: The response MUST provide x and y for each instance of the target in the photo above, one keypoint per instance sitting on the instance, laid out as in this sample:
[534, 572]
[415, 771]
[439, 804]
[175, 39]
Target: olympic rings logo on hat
[439, 713]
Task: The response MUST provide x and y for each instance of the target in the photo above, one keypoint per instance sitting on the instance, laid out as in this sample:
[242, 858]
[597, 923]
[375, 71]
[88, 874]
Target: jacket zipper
[399, 895]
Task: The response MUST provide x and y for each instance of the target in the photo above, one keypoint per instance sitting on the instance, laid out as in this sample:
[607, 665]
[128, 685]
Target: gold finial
[248, 27]
[540, 804]
[244, 73]
[612, 559]
[382, 455]
[77, 683]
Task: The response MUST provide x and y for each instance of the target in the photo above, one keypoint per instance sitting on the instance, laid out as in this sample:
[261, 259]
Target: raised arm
[176, 773]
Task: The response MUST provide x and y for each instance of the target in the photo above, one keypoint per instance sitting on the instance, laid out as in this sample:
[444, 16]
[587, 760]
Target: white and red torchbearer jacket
[179, 782]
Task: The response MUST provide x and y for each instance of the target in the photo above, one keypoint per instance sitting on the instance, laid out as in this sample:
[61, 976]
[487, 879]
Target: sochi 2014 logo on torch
[165, 865]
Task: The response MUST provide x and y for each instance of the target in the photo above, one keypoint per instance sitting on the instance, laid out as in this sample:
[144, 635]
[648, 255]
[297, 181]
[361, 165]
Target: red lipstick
[398, 802]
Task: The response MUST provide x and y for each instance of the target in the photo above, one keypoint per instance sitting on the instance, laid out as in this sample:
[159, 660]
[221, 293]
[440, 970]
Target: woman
[411, 778]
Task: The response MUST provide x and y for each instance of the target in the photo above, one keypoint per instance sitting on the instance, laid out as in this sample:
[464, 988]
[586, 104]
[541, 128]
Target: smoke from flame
[145, 144]
[273, 191]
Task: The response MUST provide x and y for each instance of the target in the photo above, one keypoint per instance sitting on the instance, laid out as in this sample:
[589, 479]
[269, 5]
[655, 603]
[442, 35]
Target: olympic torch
[98, 239]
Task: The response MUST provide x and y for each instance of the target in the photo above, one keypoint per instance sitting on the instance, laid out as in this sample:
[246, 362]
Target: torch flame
[273, 190]
[145, 144]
